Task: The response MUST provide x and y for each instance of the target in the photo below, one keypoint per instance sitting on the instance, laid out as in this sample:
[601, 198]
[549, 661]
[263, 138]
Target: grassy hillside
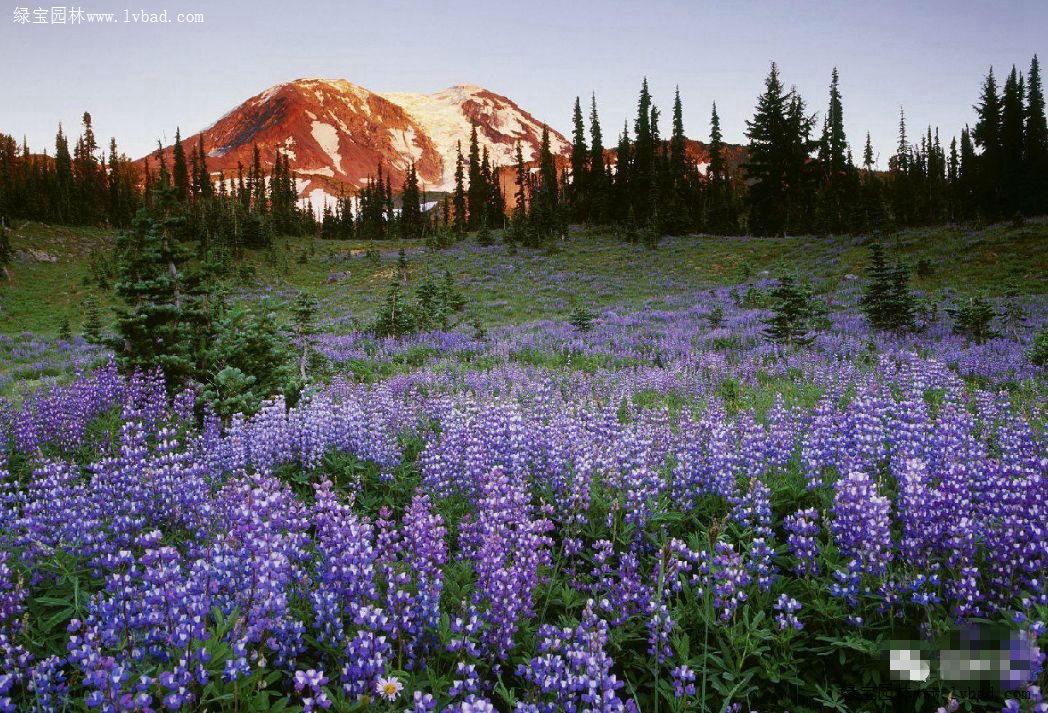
[510, 287]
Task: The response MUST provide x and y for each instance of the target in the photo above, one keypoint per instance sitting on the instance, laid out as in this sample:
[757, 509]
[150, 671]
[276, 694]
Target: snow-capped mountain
[446, 117]
[336, 133]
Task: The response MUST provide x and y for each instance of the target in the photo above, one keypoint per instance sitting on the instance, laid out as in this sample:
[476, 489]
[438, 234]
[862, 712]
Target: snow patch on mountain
[440, 116]
[318, 198]
[286, 149]
[406, 144]
[326, 137]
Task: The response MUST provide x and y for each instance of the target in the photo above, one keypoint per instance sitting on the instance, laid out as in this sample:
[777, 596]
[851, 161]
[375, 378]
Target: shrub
[6, 251]
[434, 306]
[231, 391]
[925, 268]
[92, 327]
[581, 319]
[715, 317]
[974, 319]
[886, 299]
[755, 298]
[397, 317]
[1038, 353]
[793, 310]
[651, 233]
[253, 353]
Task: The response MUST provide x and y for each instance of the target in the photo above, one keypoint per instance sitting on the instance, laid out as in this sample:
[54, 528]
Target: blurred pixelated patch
[983, 654]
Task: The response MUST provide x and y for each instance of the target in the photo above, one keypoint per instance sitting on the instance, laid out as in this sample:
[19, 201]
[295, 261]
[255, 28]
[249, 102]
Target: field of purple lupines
[667, 512]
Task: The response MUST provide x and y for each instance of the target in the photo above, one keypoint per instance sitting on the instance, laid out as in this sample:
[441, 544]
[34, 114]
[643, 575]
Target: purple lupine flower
[787, 616]
[507, 546]
[572, 670]
[683, 681]
[803, 528]
[860, 525]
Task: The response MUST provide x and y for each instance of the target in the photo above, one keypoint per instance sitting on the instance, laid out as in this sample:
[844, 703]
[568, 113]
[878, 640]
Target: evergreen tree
[249, 360]
[162, 322]
[721, 216]
[88, 178]
[63, 191]
[792, 313]
[92, 327]
[1035, 143]
[517, 230]
[833, 139]
[766, 158]
[621, 187]
[987, 136]
[778, 160]
[402, 265]
[460, 192]
[6, 252]
[642, 162]
[597, 183]
[581, 318]
[412, 222]
[496, 208]
[544, 219]
[203, 178]
[1038, 352]
[1013, 115]
[180, 171]
[477, 194]
[973, 318]
[838, 193]
[867, 154]
[886, 299]
[800, 171]
[900, 168]
[397, 317]
[304, 313]
[966, 174]
[678, 198]
[122, 197]
[390, 214]
[257, 181]
[953, 172]
[577, 189]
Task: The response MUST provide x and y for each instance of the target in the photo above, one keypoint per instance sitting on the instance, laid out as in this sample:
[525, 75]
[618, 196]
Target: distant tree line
[78, 187]
[91, 187]
[795, 178]
[798, 175]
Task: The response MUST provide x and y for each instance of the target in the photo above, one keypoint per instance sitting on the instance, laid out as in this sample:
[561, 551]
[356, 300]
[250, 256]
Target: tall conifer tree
[1035, 143]
[642, 163]
[460, 192]
[412, 222]
[180, 171]
[987, 136]
[1013, 113]
[579, 156]
[597, 185]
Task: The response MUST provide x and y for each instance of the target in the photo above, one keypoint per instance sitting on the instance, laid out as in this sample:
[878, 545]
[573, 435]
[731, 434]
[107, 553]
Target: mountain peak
[463, 90]
[337, 133]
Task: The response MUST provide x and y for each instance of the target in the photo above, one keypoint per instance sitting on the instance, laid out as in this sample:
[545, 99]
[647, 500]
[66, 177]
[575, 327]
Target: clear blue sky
[140, 81]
